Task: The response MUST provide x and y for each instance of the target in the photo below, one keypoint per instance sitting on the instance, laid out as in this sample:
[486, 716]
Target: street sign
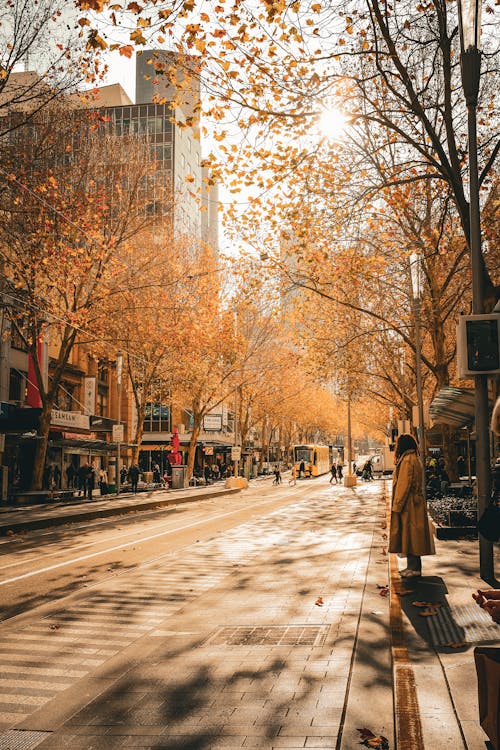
[117, 433]
[235, 453]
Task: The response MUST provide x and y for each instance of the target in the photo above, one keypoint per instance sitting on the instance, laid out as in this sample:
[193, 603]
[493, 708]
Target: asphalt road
[40, 568]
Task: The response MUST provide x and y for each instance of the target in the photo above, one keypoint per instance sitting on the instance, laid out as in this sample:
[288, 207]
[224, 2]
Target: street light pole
[416, 291]
[119, 368]
[469, 12]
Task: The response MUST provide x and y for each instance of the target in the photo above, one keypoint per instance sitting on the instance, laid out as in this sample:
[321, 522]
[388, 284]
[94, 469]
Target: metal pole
[119, 364]
[236, 461]
[471, 65]
[349, 443]
[418, 372]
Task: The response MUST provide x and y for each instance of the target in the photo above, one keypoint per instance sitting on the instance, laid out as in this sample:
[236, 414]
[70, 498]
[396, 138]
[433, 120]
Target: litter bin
[487, 661]
[178, 474]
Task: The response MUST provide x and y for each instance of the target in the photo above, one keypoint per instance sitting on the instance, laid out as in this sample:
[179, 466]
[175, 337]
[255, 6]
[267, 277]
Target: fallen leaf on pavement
[384, 592]
[428, 612]
[55, 626]
[319, 601]
[373, 740]
[381, 585]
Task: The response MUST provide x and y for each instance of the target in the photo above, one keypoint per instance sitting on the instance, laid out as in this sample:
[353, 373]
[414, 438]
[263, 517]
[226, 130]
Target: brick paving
[225, 645]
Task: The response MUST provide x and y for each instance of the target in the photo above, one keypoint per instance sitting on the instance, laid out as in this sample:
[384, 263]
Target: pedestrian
[70, 476]
[57, 477]
[47, 477]
[461, 466]
[156, 474]
[103, 481]
[410, 532]
[293, 476]
[302, 468]
[133, 477]
[207, 473]
[90, 480]
[123, 475]
[277, 476]
[333, 472]
[82, 479]
[339, 471]
[367, 472]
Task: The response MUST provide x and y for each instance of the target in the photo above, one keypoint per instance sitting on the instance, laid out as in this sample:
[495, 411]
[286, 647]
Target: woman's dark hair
[405, 443]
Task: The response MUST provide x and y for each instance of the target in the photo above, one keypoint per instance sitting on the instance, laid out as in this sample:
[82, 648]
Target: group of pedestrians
[337, 473]
[436, 477]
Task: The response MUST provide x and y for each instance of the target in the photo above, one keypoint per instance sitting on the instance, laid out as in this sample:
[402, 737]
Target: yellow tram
[316, 459]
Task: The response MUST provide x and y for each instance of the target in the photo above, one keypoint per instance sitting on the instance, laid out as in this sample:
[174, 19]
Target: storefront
[74, 439]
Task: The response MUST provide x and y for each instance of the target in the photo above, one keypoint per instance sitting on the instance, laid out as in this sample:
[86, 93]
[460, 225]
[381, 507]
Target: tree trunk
[141, 411]
[192, 448]
[450, 452]
[41, 446]
[262, 443]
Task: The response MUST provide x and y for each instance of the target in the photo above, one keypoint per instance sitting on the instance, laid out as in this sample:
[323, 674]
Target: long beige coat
[409, 532]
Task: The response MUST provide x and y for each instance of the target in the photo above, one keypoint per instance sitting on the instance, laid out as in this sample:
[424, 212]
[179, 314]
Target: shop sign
[117, 433]
[235, 453]
[89, 396]
[70, 419]
[209, 451]
[101, 424]
[79, 436]
[212, 422]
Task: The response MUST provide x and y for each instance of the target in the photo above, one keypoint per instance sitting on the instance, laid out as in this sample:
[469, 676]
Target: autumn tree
[68, 214]
[42, 58]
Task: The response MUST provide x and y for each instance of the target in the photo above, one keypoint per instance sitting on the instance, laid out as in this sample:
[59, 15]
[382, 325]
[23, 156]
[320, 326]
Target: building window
[17, 386]
[16, 340]
[65, 396]
[157, 418]
[102, 401]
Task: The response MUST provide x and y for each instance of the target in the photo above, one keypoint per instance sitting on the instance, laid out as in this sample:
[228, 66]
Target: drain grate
[21, 739]
[270, 635]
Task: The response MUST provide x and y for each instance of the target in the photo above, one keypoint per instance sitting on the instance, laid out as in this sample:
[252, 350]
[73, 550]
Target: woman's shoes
[411, 573]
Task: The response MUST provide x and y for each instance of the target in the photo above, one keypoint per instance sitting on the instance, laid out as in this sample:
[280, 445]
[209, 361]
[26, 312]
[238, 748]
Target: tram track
[27, 585]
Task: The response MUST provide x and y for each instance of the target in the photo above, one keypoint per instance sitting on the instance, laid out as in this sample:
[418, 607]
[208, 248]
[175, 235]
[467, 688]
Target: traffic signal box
[478, 351]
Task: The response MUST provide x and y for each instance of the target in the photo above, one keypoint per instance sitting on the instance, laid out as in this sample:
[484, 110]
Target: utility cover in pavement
[21, 739]
[270, 635]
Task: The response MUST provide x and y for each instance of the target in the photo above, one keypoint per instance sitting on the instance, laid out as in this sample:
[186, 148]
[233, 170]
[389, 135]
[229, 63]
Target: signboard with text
[212, 422]
[72, 419]
[235, 453]
[89, 396]
[117, 433]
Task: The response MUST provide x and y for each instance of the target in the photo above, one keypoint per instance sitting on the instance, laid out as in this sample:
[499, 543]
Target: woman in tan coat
[409, 533]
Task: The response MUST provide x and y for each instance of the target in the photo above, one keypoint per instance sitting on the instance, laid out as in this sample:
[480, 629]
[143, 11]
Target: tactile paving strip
[21, 739]
[270, 635]
[466, 623]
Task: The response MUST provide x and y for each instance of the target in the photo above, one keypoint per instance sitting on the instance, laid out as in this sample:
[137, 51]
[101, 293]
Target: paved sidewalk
[279, 633]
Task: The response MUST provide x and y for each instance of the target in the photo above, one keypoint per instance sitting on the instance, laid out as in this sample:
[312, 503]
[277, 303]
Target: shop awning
[454, 406]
